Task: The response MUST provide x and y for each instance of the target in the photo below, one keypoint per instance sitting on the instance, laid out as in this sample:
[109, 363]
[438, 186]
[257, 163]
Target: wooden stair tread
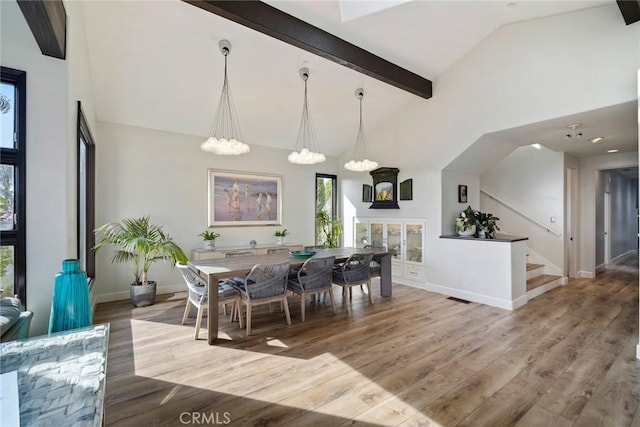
[533, 266]
[540, 280]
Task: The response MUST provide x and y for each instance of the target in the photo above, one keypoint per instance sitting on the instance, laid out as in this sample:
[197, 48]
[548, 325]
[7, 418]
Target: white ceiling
[156, 64]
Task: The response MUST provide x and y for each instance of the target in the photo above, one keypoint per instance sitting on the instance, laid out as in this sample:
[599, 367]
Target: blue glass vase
[70, 307]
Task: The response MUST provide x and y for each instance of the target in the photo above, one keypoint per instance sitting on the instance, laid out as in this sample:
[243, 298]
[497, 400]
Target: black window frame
[334, 195]
[85, 140]
[17, 157]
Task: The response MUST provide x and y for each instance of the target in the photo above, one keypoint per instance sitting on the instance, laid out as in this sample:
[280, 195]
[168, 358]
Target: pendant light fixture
[360, 163]
[306, 141]
[225, 138]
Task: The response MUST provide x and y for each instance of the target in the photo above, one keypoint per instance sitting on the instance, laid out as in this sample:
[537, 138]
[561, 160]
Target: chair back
[266, 281]
[354, 269]
[196, 286]
[315, 273]
[374, 267]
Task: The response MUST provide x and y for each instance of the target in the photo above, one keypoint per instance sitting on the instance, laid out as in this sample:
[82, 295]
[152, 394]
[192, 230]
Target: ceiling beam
[268, 20]
[630, 10]
[48, 23]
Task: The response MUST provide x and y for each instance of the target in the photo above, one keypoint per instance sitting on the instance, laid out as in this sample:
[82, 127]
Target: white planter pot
[209, 245]
[469, 231]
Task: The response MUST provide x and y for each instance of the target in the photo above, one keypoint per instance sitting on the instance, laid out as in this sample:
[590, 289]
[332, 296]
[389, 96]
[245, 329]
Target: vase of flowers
[467, 221]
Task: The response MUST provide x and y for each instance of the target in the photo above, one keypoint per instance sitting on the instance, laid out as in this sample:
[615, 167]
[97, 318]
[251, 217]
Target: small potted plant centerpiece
[141, 244]
[209, 238]
[280, 236]
[467, 221]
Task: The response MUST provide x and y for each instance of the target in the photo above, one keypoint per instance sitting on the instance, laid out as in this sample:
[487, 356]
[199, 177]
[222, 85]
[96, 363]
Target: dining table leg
[212, 315]
[385, 275]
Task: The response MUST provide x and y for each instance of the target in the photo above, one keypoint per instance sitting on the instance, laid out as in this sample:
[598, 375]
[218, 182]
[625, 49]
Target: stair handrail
[521, 213]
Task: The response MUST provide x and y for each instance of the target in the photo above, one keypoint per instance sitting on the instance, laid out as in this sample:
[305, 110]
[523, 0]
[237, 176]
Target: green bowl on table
[302, 254]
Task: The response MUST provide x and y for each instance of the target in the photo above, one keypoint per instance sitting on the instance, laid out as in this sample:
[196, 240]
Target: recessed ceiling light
[536, 146]
[612, 151]
[596, 139]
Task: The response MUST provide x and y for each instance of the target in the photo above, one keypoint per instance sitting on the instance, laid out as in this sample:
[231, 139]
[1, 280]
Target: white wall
[520, 74]
[148, 172]
[532, 181]
[51, 145]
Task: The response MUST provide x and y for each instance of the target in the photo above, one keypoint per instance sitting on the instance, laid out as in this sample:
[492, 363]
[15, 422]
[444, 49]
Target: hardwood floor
[567, 358]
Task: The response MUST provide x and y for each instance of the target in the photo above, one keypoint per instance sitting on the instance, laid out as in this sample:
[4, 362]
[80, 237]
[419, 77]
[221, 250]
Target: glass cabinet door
[414, 241]
[377, 236]
[394, 240]
[362, 234]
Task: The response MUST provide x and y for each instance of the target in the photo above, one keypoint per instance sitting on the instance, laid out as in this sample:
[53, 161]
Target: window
[13, 195]
[86, 196]
[326, 204]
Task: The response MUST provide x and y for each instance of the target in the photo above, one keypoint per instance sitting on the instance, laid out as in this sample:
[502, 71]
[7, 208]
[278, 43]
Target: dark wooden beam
[630, 10]
[48, 23]
[275, 23]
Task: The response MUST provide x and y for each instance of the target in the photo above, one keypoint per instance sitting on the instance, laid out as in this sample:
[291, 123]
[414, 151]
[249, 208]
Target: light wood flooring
[567, 358]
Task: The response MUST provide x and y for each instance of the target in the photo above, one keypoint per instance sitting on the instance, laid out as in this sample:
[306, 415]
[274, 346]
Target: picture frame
[243, 199]
[367, 193]
[462, 194]
[406, 189]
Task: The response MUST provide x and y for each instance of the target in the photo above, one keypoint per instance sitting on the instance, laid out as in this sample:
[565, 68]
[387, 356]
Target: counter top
[499, 238]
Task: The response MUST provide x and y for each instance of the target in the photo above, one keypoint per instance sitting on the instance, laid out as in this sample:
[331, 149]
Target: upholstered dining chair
[197, 295]
[374, 267]
[314, 277]
[354, 272]
[265, 283]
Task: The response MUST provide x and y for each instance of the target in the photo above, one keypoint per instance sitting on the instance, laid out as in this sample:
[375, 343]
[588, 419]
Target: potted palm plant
[139, 243]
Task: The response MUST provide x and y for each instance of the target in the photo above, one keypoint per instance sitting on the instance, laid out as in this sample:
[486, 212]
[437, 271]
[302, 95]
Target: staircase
[538, 283]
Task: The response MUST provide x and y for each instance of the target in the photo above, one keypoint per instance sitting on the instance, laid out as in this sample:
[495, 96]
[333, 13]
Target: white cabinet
[404, 238]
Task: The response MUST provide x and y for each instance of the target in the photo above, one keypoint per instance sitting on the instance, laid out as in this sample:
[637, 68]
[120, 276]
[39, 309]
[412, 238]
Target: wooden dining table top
[238, 266]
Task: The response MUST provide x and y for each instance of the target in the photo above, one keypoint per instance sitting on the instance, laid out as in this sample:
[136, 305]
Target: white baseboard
[586, 274]
[479, 298]
[124, 295]
[623, 255]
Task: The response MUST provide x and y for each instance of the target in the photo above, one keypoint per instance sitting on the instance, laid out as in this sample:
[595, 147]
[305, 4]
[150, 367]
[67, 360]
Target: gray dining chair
[265, 283]
[374, 267]
[313, 278]
[354, 272]
[197, 295]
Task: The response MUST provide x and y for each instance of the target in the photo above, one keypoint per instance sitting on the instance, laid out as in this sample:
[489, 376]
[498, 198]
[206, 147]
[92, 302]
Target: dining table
[214, 270]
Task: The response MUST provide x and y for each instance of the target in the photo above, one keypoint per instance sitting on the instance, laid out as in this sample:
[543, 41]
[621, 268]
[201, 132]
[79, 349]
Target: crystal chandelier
[360, 163]
[306, 141]
[225, 134]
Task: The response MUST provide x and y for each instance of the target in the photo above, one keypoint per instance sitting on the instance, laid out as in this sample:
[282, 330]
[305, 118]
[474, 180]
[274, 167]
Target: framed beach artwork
[244, 198]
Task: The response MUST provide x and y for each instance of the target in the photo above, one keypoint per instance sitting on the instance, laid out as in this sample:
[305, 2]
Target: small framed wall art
[462, 194]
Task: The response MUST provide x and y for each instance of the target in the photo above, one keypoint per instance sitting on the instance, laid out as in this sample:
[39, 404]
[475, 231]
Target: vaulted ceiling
[156, 64]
